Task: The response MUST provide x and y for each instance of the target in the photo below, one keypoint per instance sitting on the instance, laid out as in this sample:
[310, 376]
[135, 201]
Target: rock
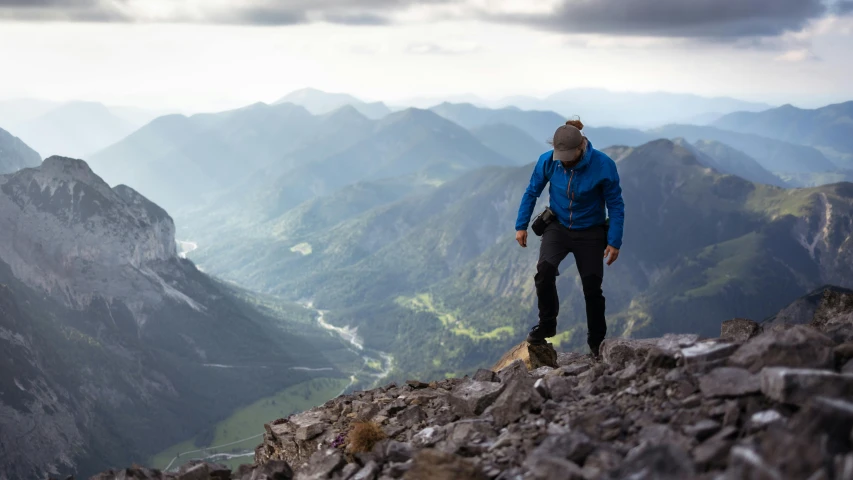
[484, 375]
[542, 371]
[431, 464]
[198, 470]
[746, 463]
[764, 418]
[411, 416]
[397, 451]
[714, 451]
[472, 398]
[835, 309]
[272, 470]
[518, 397]
[542, 388]
[569, 358]
[368, 472]
[705, 355]
[533, 356]
[322, 464]
[729, 382]
[310, 431]
[573, 446]
[797, 386]
[829, 418]
[514, 371]
[547, 468]
[416, 384]
[703, 429]
[656, 462]
[843, 353]
[428, 437]
[739, 330]
[796, 347]
[619, 352]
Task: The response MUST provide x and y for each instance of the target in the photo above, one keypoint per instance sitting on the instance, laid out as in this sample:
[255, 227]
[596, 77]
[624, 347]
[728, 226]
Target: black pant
[588, 248]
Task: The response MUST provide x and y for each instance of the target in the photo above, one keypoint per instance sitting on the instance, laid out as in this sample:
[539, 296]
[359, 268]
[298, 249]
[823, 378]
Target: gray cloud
[244, 12]
[714, 20]
[679, 18]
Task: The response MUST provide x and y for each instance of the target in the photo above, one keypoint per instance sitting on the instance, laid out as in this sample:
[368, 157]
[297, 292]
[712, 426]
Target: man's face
[575, 156]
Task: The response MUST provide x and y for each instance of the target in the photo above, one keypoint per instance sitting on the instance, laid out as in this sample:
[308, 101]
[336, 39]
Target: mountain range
[15, 154]
[442, 266]
[112, 346]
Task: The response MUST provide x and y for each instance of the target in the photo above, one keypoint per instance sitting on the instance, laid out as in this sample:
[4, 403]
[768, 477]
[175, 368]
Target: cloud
[797, 56]
[707, 20]
[675, 18]
[243, 12]
[435, 49]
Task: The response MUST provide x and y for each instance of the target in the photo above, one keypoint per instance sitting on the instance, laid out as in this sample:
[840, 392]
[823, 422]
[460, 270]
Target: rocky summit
[760, 403]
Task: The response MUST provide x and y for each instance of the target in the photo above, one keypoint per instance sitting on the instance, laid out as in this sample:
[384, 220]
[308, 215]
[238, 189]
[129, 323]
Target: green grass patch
[249, 421]
[424, 302]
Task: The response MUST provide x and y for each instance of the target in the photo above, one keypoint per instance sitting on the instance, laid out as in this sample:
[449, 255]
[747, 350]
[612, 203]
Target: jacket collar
[587, 154]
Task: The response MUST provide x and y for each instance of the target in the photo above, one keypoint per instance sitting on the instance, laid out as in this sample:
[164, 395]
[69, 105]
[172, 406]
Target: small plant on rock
[364, 436]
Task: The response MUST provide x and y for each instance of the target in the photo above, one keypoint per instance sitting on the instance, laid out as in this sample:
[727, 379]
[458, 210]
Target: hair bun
[575, 123]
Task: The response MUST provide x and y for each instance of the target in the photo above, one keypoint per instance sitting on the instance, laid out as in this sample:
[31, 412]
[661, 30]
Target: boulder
[835, 310]
[472, 398]
[533, 356]
[705, 355]
[322, 464]
[484, 375]
[517, 398]
[739, 330]
[729, 382]
[431, 464]
[797, 385]
[656, 462]
[797, 347]
[619, 352]
[829, 418]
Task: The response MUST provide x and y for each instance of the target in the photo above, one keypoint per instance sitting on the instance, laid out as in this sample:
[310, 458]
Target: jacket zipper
[571, 196]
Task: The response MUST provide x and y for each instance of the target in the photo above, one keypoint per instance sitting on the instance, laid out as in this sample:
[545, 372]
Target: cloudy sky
[211, 54]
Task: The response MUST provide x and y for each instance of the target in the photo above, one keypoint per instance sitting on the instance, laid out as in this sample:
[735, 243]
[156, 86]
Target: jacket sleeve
[615, 207]
[538, 181]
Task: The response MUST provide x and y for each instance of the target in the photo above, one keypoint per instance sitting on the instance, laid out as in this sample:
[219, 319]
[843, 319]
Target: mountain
[15, 154]
[19, 111]
[114, 347]
[177, 160]
[776, 156]
[75, 129]
[540, 125]
[442, 266]
[632, 109]
[318, 103]
[829, 129]
[726, 159]
[510, 141]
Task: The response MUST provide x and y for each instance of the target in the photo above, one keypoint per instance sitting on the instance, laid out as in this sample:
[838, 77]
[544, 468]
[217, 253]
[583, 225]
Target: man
[583, 181]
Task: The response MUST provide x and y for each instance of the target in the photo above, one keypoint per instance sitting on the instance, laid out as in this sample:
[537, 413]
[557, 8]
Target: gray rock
[714, 451]
[548, 468]
[573, 446]
[310, 431]
[829, 418]
[428, 437]
[729, 382]
[835, 309]
[797, 386]
[656, 462]
[517, 399]
[368, 472]
[746, 463]
[484, 375]
[703, 429]
[514, 371]
[472, 398]
[199, 470]
[322, 464]
[431, 464]
[764, 418]
[705, 355]
[796, 347]
[739, 330]
[542, 388]
[398, 451]
[619, 352]
[848, 367]
[411, 416]
[542, 371]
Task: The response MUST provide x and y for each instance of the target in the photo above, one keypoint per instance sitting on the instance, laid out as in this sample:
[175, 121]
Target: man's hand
[613, 253]
[521, 238]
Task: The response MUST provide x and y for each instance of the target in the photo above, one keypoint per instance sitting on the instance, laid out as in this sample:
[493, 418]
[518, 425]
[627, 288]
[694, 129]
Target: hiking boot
[540, 332]
[594, 350]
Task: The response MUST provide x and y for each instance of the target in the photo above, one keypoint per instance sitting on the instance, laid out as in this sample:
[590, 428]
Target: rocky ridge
[675, 407]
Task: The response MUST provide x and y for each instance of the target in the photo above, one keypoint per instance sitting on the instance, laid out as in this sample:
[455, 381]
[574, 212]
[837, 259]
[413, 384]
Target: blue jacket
[578, 195]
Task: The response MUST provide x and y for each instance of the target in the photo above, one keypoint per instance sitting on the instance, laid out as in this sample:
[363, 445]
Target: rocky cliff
[113, 348]
[754, 403]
